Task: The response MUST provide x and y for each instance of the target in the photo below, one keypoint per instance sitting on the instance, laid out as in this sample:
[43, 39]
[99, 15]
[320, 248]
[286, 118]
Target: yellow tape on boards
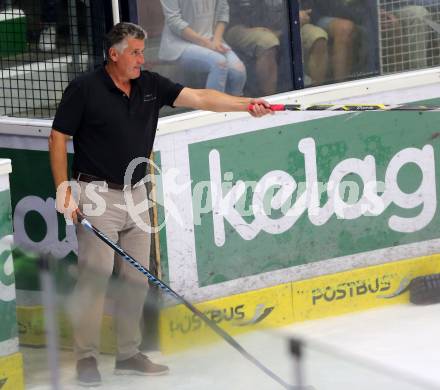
[320, 297]
[358, 289]
[31, 330]
[267, 308]
[11, 372]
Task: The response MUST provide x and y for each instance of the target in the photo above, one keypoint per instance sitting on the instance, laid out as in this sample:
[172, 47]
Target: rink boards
[253, 204]
[241, 231]
[315, 298]
[254, 256]
[11, 363]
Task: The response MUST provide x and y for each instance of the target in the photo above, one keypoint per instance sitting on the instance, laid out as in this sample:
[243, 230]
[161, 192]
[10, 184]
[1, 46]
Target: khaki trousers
[96, 262]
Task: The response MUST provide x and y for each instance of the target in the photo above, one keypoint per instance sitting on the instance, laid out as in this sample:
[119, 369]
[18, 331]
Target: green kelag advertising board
[8, 323]
[290, 199]
[242, 210]
[37, 227]
[11, 362]
[301, 193]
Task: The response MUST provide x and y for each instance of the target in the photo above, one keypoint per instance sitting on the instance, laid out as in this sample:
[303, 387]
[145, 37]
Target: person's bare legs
[266, 68]
[342, 33]
[318, 61]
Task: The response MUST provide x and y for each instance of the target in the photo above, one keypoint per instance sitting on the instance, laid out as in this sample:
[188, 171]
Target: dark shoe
[87, 372]
[139, 364]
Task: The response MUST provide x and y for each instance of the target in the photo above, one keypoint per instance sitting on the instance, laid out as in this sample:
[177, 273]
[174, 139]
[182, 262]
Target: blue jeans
[226, 72]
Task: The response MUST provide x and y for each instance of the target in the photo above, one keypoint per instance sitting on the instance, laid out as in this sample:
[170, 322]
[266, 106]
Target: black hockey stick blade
[425, 290]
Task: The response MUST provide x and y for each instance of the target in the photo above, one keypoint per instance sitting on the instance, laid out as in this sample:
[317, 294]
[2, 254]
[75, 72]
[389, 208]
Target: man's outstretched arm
[212, 100]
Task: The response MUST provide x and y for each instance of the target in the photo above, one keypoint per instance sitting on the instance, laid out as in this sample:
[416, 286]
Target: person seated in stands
[408, 25]
[193, 36]
[314, 43]
[40, 20]
[270, 15]
[48, 34]
[257, 45]
[337, 18]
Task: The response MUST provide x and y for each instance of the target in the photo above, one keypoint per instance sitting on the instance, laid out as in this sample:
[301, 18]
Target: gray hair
[118, 35]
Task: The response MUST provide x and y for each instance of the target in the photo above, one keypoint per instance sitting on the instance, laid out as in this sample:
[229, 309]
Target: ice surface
[397, 347]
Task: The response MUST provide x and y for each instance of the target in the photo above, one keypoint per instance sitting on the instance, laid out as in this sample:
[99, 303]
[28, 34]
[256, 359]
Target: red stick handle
[273, 107]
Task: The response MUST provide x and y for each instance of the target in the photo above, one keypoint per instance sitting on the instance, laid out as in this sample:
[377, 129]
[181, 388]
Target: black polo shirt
[110, 129]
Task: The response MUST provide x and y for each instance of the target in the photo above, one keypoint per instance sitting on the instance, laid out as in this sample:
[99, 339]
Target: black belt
[89, 178]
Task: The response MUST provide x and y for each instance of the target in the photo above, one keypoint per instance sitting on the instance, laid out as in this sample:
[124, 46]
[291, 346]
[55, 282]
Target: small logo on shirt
[148, 97]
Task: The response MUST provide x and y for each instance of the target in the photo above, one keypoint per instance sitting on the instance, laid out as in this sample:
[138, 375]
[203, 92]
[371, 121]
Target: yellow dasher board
[285, 304]
[11, 372]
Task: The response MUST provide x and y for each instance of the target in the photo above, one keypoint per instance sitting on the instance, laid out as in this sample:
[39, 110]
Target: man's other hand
[66, 204]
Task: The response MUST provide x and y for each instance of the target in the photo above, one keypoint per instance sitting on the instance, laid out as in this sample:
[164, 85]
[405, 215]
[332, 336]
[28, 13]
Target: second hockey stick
[228, 338]
[349, 107]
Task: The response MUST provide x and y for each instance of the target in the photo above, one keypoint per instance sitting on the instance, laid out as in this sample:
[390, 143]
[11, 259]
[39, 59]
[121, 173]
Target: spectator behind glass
[41, 19]
[409, 26]
[314, 42]
[257, 45]
[337, 19]
[272, 16]
[193, 36]
[47, 40]
[55, 21]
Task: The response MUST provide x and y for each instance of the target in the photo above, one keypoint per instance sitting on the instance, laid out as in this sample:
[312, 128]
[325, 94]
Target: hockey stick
[348, 107]
[229, 339]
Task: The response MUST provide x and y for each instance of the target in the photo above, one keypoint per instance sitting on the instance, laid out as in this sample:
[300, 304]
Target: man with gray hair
[112, 114]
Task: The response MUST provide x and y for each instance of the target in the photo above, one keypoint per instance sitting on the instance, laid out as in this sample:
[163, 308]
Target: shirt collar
[109, 82]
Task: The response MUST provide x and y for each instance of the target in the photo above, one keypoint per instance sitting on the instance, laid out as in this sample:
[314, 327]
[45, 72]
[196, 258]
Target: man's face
[130, 61]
